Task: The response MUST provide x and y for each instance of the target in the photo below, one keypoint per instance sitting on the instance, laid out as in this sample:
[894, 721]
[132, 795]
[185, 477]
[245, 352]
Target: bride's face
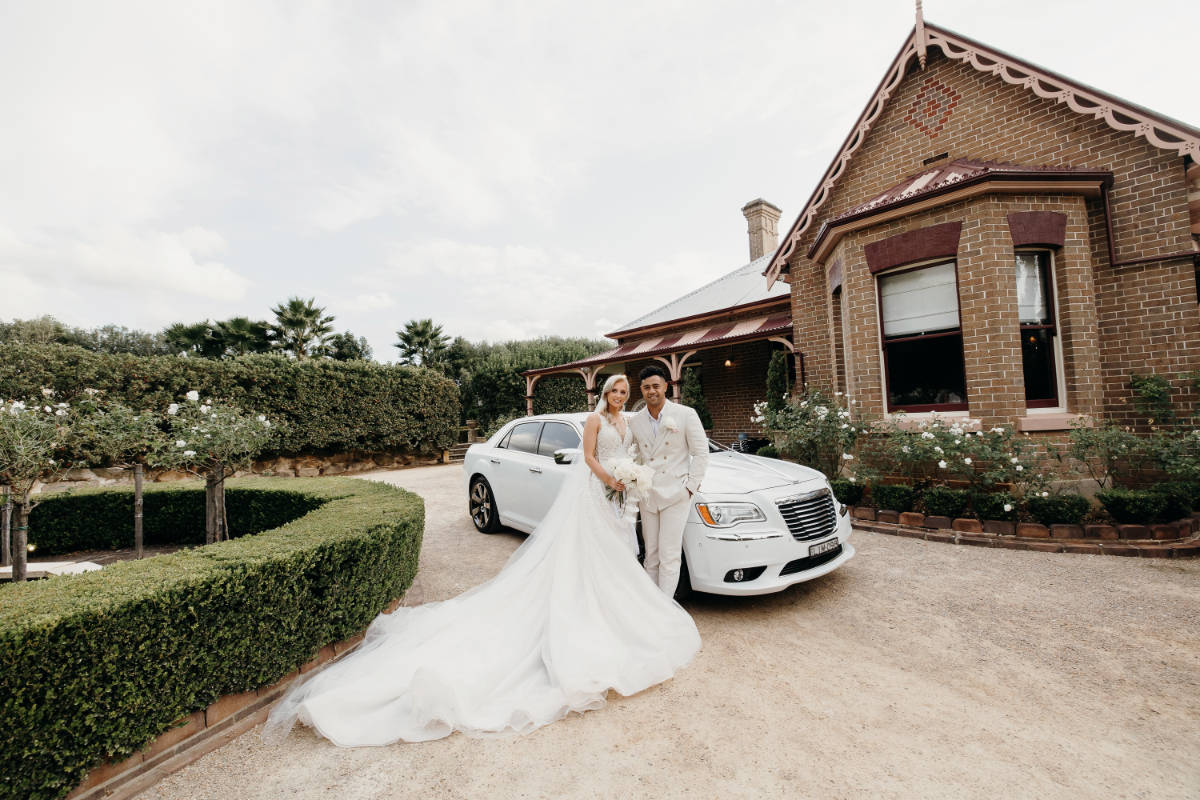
[617, 395]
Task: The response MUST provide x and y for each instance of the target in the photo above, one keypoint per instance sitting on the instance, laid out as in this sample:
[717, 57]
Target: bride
[571, 615]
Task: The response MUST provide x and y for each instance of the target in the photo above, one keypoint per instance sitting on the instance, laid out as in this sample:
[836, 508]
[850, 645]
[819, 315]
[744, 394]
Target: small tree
[115, 434]
[422, 343]
[212, 441]
[777, 380]
[31, 435]
[692, 395]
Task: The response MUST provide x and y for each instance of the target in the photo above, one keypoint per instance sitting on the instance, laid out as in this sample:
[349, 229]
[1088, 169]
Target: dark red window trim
[1051, 325]
[1046, 228]
[923, 244]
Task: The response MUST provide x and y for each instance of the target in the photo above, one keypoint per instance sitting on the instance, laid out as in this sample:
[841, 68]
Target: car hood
[737, 473]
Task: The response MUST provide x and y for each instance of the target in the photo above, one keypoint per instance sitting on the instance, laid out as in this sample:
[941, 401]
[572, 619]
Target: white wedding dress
[571, 615]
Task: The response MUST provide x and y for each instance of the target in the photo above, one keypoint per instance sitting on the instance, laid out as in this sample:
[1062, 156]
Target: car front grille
[802, 564]
[809, 516]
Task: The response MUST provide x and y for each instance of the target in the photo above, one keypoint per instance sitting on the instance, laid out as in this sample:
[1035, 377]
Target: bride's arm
[590, 431]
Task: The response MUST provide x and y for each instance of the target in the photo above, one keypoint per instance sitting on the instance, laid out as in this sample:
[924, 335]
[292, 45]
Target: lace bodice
[610, 445]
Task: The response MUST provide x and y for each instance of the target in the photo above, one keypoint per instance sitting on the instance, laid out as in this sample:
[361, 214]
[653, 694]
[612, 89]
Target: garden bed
[95, 667]
[1170, 540]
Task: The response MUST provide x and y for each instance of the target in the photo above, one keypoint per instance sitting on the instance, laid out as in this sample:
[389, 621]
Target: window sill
[1048, 421]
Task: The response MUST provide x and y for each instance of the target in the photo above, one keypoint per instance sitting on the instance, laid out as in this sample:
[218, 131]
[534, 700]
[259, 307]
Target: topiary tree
[692, 395]
[31, 435]
[212, 441]
[114, 434]
[777, 380]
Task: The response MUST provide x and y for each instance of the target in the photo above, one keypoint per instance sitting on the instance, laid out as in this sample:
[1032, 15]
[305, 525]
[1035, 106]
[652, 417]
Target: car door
[516, 466]
[545, 484]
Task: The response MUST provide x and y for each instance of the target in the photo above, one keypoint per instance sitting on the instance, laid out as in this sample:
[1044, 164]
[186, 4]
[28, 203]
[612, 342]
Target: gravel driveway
[918, 670]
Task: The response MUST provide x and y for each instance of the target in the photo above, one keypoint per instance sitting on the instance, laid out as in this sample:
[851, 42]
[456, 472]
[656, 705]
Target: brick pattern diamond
[934, 104]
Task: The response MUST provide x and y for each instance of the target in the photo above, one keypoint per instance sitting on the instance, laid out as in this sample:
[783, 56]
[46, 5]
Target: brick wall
[1113, 321]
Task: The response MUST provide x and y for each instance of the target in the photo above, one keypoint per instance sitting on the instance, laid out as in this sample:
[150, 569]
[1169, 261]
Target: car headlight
[725, 515]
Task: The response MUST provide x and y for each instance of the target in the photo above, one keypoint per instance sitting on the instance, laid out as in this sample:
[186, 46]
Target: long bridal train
[571, 616]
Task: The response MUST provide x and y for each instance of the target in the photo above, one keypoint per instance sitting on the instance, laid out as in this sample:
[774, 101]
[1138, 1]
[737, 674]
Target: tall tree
[242, 335]
[197, 339]
[422, 343]
[301, 327]
[346, 347]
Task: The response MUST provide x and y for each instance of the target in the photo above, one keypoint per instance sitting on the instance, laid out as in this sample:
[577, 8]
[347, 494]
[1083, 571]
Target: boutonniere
[671, 425]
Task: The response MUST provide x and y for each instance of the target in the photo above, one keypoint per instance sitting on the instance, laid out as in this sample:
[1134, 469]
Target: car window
[557, 436]
[524, 437]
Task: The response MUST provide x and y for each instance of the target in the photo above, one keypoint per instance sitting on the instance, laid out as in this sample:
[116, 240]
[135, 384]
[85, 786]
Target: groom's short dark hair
[650, 372]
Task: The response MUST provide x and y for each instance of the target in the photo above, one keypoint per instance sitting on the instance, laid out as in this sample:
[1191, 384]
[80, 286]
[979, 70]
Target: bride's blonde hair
[613, 380]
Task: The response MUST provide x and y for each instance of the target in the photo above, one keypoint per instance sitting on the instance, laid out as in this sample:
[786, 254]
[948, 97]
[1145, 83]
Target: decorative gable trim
[1120, 115]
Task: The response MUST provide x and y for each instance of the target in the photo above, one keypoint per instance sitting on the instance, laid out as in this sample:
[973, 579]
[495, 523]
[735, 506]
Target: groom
[670, 439]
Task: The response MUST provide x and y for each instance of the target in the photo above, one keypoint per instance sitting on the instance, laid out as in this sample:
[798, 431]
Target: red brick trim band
[1038, 227]
[936, 241]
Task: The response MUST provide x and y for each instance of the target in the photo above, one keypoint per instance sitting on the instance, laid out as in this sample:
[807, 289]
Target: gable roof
[1160, 131]
[741, 287]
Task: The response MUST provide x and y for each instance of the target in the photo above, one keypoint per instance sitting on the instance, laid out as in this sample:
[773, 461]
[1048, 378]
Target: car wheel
[683, 590]
[482, 504]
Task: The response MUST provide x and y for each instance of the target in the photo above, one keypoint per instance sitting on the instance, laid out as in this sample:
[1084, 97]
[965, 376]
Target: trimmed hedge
[847, 492]
[102, 519]
[1133, 506]
[325, 405]
[1058, 509]
[892, 497]
[93, 667]
[991, 506]
[942, 501]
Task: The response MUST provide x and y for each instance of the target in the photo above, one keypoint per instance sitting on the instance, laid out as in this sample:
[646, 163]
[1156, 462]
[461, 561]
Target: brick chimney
[761, 217]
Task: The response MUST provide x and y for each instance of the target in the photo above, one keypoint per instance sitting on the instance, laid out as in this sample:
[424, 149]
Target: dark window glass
[1035, 304]
[922, 341]
[557, 436]
[524, 437]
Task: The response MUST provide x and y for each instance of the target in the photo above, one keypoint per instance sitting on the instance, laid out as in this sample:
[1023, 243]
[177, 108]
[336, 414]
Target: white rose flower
[942, 464]
[1008, 506]
[847, 457]
[852, 479]
[1020, 468]
[47, 392]
[48, 409]
[173, 409]
[193, 396]
[938, 449]
[904, 449]
[180, 443]
[60, 413]
[189, 453]
[967, 461]
[1013, 460]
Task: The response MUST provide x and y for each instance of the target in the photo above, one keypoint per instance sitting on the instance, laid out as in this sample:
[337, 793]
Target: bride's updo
[613, 380]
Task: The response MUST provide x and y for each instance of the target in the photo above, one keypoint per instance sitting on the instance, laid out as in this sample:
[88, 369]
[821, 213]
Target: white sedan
[756, 526]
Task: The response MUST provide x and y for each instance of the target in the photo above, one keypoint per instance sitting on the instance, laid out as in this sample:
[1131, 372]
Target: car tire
[683, 590]
[481, 503]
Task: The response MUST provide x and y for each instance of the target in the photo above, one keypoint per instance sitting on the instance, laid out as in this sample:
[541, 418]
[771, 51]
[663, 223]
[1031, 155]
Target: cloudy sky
[510, 169]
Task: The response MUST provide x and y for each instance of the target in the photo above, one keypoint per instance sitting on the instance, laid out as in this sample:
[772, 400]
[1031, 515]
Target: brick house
[725, 330]
[995, 240]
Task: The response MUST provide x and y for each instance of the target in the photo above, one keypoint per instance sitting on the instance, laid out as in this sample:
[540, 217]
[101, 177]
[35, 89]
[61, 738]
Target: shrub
[816, 429]
[997, 505]
[102, 519]
[767, 451]
[893, 497]
[847, 492]
[1133, 506]
[942, 501]
[322, 405]
[94, 666]
[1179, 497]
[1058, 509]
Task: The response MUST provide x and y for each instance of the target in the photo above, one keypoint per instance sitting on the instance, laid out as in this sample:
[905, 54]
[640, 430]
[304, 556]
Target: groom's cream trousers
[662, 531]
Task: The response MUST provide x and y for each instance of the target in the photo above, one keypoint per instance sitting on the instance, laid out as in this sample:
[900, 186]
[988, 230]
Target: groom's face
[654, 391]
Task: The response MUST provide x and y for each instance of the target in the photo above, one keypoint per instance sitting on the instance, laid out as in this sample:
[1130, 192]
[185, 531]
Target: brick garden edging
[1170, 540]
[201, 732]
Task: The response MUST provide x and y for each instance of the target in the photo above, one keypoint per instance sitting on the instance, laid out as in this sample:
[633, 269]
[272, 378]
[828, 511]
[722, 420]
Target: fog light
[744, 574]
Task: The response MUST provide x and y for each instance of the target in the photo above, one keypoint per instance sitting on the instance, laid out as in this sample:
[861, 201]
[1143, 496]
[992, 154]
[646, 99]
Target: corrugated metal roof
[743, 285]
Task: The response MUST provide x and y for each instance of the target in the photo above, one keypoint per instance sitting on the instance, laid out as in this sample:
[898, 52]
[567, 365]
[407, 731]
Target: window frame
[1056, 356]
[546, 426]
[918, 408]
[506, 443]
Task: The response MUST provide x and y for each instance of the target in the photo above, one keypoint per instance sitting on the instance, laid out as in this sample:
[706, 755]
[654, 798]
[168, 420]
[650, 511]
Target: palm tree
[242, 335]
[422, 343]
[197, 339]
[346, 347]
[300, 327]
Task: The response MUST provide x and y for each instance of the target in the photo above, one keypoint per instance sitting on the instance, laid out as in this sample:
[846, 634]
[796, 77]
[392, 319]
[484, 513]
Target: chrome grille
[809, 516]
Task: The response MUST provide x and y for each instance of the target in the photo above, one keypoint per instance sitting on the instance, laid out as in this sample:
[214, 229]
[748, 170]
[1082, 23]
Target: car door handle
[538, 470]
[494, 460]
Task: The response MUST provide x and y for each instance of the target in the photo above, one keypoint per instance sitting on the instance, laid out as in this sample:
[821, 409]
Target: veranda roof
[700, 337]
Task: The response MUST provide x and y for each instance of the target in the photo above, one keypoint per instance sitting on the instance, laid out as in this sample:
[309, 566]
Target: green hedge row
[93, 667]
[101, 519]
[327, 406]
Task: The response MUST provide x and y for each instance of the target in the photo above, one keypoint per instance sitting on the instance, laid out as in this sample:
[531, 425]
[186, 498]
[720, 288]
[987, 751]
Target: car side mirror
[567, 455]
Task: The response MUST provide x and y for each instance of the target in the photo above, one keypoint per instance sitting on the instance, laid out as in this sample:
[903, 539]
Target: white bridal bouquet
[636, 477]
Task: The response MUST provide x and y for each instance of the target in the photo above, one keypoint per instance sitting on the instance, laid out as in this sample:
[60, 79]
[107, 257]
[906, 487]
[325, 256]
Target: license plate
[822, 547]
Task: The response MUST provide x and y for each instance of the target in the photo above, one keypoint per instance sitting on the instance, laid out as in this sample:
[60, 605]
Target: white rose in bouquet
[637, 479]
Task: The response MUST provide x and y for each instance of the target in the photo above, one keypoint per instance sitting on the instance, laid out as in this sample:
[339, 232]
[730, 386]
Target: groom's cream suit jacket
[678, 454]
